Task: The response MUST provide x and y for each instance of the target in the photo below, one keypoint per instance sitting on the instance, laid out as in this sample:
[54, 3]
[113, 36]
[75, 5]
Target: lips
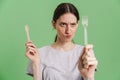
[68, 36]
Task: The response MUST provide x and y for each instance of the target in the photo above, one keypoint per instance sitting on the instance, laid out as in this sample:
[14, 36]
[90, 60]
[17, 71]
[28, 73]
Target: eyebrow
[73, 23]
[70, 23]
[63, 23]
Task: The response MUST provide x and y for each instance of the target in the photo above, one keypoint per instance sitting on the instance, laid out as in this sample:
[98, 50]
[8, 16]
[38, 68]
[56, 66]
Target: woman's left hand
[87, 63]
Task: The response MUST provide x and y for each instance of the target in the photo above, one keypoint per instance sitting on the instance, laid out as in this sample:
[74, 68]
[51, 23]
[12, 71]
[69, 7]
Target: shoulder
[43, 52]
[78, 49]
[44, 49]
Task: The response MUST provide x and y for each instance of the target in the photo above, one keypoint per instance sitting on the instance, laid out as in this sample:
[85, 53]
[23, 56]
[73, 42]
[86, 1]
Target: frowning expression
[66, 26]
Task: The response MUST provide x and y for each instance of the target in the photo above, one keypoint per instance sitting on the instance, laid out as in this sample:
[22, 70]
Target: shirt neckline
[63, 51]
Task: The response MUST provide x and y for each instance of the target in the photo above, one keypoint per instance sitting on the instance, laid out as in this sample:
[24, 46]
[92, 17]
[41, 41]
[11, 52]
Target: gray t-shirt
[58, 65]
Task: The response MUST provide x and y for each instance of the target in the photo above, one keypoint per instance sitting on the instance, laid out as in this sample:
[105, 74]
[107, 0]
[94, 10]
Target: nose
[68, 30]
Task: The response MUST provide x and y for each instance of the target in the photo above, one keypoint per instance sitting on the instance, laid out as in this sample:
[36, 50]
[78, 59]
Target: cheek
[60, 31]
[74, 31]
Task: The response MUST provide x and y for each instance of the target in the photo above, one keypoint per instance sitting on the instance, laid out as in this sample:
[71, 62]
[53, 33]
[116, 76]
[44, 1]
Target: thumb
[88, 47]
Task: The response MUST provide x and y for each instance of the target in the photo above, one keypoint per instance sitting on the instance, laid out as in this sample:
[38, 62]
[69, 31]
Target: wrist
[36, 70]
[35, 63]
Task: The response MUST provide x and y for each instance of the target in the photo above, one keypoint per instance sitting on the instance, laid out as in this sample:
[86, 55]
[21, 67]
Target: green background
[103, 33]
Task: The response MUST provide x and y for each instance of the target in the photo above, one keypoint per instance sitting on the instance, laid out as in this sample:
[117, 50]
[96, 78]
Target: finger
[86, 66]
[31, 45]
[92, 63]
[80, 64]
[90, 53]
[87, 59]
[29, 53]
[84, 56]
[34, 49]
[28, 48]
[28, 42]
[89, 46]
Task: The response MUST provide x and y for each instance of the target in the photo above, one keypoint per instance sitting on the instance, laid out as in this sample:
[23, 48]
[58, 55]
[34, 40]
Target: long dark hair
[65, 8]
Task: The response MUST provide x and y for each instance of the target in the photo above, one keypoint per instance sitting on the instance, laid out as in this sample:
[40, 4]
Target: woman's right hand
[31, 52]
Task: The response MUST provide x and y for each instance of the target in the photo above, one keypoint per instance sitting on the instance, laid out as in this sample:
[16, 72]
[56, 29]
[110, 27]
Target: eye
[73, 24]
[62, 24]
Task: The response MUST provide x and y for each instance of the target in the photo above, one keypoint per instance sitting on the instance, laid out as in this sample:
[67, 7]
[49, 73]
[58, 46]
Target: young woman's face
[66, 26]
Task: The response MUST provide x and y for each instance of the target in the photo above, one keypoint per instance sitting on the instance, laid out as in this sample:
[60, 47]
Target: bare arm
[33, 55]
[36, 71]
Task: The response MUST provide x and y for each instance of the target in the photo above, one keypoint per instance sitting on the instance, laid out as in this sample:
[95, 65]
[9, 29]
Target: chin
[68, 40]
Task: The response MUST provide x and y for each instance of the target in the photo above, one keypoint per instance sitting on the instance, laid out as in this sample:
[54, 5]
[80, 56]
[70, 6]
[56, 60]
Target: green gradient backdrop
[103, 32]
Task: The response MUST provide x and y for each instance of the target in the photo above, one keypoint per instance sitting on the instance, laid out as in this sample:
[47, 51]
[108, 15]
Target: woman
[62, 60]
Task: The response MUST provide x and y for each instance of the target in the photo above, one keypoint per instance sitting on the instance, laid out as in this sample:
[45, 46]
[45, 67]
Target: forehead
[68, 18]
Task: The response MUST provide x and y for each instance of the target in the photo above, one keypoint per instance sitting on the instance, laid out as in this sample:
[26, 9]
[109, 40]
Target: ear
[53, 24]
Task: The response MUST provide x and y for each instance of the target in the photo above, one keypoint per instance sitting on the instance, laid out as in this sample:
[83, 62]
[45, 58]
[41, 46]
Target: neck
[63, 46]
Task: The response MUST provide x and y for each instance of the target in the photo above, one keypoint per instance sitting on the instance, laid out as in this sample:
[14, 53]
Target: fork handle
[85, 36]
